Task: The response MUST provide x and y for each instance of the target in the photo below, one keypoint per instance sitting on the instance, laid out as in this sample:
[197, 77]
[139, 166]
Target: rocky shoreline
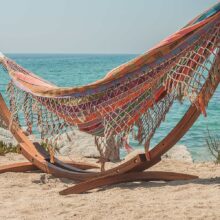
[82, 145]
[6, 137]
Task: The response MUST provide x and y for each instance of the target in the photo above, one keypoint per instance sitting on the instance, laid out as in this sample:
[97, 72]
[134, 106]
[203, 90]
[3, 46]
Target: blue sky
[92, 26]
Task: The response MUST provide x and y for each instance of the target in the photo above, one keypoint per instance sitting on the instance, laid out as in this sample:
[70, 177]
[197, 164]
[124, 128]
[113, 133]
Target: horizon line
[68, 53]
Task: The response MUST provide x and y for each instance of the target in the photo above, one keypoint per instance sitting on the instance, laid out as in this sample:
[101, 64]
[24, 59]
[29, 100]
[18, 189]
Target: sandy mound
[35, 196]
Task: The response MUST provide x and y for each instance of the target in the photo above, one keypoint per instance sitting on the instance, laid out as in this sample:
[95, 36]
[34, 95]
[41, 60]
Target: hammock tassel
[51, 150]
[202, 105]
[146, 147]
[127, 147]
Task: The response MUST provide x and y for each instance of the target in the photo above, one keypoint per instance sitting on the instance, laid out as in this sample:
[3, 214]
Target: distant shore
[83, 145]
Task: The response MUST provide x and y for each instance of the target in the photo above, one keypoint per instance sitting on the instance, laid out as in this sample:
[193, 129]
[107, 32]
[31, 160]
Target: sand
[35, 196]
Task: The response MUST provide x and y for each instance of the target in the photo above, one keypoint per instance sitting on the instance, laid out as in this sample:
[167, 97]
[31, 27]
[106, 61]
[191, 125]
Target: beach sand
[35, 196]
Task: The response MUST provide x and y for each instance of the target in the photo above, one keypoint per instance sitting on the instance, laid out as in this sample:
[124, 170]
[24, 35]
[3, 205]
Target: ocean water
[77, 69]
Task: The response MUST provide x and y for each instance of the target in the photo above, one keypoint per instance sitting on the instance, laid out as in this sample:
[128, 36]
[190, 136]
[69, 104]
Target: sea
[78, 69]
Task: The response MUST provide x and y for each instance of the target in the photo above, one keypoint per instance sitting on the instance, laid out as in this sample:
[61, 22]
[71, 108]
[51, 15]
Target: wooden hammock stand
[131, 170]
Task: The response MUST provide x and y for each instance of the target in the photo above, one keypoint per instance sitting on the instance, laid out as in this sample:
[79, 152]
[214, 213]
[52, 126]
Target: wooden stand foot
[123, 178]
[28, 166]
[18, 167]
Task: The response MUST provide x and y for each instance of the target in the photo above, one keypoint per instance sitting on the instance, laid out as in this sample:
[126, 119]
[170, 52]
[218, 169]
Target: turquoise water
[74, 70]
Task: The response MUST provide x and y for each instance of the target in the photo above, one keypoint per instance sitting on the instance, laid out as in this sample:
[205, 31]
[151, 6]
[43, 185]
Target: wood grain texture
[123, 178]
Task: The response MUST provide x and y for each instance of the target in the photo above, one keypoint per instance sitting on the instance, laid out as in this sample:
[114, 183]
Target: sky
[92, 26]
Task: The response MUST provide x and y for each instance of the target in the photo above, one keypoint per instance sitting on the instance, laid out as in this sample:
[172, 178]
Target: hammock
[132, 98]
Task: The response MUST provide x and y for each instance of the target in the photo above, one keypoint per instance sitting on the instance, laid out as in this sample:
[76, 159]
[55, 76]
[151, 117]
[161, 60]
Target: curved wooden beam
[18, 167]
[28, 166]
[124, 178]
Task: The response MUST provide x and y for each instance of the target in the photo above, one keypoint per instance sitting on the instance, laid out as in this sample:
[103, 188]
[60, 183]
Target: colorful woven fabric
[133, 98]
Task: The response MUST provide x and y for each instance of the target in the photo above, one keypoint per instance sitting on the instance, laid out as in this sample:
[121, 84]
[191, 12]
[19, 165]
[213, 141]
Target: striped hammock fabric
[133, 98]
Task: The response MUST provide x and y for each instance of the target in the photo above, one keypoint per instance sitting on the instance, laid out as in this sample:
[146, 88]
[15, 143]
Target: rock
[6, 137]
[81, 144]
[179, 152]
